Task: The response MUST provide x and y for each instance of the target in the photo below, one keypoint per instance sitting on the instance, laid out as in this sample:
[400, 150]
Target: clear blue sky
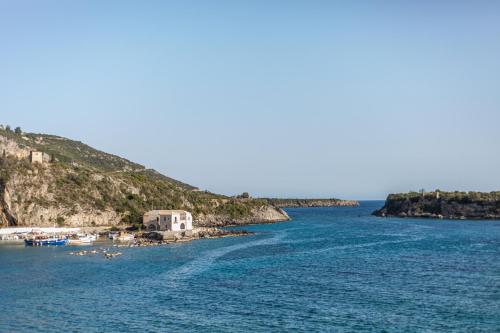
[351, 99]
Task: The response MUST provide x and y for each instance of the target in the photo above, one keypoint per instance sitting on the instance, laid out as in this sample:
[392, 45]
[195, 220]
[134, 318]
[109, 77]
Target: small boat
[81, 240]
[123, 237]
[113, 234]
[42, 241]
[93, 237]
[10, 237]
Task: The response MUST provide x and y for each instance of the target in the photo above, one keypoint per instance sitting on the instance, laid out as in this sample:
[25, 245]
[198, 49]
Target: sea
[327, 270]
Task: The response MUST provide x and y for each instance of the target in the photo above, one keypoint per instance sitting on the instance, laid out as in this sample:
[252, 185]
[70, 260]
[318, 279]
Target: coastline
[151, 239]
[311, 203]
[442, 205]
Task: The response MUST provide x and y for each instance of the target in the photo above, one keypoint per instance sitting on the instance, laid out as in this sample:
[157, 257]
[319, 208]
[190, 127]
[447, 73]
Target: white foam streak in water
[354, 246]
[205, 260]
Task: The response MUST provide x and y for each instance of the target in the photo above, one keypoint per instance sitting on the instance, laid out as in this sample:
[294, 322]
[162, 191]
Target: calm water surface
[328, 270]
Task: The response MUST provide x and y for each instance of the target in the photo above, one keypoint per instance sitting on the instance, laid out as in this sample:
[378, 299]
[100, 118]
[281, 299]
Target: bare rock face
[29, 208]
[34, 195]
[12, 148]
[83, 187]
[443, 205]
[263, 214]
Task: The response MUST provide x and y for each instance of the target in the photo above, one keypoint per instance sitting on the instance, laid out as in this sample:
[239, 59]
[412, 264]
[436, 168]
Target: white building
[177, 221]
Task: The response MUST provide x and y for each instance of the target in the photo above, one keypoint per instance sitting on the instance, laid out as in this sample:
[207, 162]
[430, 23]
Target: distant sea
[327, 270]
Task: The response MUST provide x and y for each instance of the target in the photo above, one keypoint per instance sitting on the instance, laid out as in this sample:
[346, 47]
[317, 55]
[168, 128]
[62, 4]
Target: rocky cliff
[447, 205]
[260, 214]
[298, 203]
[77, 185]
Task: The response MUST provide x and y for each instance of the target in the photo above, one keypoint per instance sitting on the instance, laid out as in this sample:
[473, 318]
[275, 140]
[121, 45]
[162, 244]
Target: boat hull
[45, 242]
[79, 242]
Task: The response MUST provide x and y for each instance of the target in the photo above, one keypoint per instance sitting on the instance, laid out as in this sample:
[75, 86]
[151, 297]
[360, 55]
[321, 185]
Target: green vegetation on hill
[70, 151]
[290, 203]
[80, 179]
[457, 196]
[75, 152]
[439, 204]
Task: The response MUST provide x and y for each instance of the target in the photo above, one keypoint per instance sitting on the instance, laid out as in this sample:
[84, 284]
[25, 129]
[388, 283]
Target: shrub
[60, 221]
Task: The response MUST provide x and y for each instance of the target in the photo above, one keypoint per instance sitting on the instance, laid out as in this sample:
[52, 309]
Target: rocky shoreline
[260, 215]
[442, 205]
[311, 203]
[197, 233]
[148, 239]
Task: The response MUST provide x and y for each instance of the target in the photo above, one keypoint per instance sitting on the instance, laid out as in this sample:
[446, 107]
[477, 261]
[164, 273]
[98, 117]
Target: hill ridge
[78, 185]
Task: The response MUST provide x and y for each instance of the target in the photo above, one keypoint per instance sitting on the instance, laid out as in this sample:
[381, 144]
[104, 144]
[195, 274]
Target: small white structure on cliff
[36, 157]
[39, 157]
[176, 221]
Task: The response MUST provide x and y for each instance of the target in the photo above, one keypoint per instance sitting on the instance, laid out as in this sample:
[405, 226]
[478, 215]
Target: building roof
[166, 212]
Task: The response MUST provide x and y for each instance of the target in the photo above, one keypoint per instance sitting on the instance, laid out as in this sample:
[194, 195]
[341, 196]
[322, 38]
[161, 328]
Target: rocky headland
[68, 183]
[299, 203]
[442, 205]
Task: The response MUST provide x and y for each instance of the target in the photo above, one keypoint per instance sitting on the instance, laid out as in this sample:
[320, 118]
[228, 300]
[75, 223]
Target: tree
[18, 130]
[8, 129]
[60, 221]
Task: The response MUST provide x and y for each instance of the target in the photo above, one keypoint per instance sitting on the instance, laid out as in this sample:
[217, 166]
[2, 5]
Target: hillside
[77, 185]
[438, 204]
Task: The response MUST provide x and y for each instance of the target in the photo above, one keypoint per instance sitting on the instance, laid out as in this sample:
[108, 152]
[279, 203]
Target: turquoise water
[328, 270]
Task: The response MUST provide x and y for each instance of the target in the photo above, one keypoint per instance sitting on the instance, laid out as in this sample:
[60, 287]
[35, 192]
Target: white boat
[112, 234]
[123, 237]
[10, 237]
[92, 237]
[82, 240]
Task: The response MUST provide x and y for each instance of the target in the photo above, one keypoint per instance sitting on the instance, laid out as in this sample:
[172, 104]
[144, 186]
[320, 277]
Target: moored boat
[113, 234]
[92, 237]
[45, 241]
[82, 239]
[11, 237]
[123, 237]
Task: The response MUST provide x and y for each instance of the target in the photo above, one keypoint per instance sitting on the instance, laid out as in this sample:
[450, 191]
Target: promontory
[443, 205]
[304, 203]
[47, 180]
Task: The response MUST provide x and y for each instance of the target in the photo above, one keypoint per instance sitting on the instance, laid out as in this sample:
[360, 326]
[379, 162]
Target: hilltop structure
[36, 157]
